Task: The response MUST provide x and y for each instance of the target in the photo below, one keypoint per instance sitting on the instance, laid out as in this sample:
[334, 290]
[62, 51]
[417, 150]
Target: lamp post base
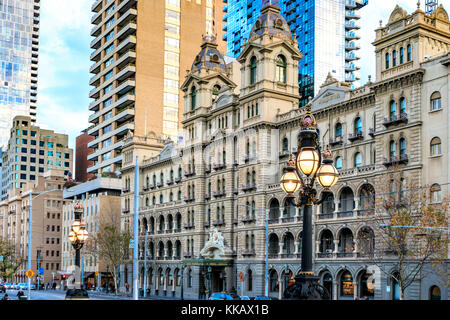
[306, 287]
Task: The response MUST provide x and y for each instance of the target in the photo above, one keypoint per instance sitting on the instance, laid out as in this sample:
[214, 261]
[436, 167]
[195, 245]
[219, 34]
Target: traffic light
[64, 277]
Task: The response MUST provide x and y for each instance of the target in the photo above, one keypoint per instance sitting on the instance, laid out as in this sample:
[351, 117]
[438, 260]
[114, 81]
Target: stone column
[335, 289]
[296, 247]
[357, 204]
[317, 246]
[355, 290]
[281, 248]
[296, 212]
[280, 287]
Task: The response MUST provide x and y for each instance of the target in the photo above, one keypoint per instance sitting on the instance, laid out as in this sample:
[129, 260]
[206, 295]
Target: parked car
[33, 286]
[23, 286]
[245, 298]
[3, 287]
[15, 286]
[262, 298]
[220, 296]
[8, 285]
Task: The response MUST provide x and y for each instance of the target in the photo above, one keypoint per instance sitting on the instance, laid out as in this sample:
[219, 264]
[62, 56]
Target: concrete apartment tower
[30, 152]
[141, 49]
[19, 45]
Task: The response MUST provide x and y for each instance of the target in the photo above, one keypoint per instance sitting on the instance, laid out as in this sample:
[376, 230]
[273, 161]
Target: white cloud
[64, 66]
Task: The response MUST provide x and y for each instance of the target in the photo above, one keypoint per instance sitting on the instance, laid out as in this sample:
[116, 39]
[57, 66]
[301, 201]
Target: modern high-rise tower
[19, 52]
[326, 32]
[141, 52]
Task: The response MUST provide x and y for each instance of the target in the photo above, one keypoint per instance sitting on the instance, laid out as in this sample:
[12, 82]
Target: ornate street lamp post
[308, 164]
[77, 237]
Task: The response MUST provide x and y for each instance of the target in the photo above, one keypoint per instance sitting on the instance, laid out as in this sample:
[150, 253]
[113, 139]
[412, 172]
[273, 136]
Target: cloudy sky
[64, 58]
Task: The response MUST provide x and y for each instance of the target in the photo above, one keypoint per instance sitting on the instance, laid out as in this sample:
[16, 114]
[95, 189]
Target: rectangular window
[108, 115]
[49, 162]
[109, 49]
[109, 75]
[170, 97]
[171, 28]
[58, 155]
[24, 141]
[41, 152]
[33, 133]
[50, 153]
[41, 161]
[66, 156]
[171, 84]
[170, 14]
[25, 132]
[108, 102]
[107, 129]
[41, 144]
[109, 36]
[24, 150]
[170, 42]
[110, 9]
[170, 70]
[109, 62]
[33, 142]
[50, 145]
[110, 22]
[108, 88]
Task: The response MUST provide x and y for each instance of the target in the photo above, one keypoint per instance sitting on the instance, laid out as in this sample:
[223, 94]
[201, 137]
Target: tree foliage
[10, 261]
[110, 244]
[409, 230]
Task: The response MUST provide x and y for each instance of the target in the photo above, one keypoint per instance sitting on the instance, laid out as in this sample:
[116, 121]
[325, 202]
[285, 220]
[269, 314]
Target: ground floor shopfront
[196, 278]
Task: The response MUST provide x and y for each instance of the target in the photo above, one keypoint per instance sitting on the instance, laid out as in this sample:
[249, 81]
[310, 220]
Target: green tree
[10, 261]
[110, 245]
[409, 228]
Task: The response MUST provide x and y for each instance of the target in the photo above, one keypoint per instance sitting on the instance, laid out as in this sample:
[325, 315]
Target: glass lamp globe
[308, 161]
[82, 235]
[76, 226]
[327, 175]
[72, 236]
[290, 182]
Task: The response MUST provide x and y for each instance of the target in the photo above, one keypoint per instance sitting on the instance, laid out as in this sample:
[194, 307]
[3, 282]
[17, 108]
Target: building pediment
[328, 96]
[207, 79]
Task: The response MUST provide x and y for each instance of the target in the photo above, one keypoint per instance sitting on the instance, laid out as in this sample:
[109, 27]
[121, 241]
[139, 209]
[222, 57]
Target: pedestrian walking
[127, 286]
[5, 297]
[54, 285]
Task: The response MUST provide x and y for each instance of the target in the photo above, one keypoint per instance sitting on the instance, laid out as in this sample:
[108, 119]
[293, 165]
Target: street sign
[29, 274]
[96, 274]
[241, 276]
[41, 270]
[131, 244]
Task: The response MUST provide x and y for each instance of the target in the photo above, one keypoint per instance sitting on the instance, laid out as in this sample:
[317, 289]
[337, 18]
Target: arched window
[253, 70]
[402, 146]
[358, 159]
[249, 280]
[394, 58]
[215, 91]
[338, 130]
[387, 60]
[435, 193]
[409, 53]
[179, 194]
[171, 196]
[435, 293]
[273, 281]
[193, 97]
[154, 200]
[435, 146]
[338, 163]
[402, 53]
[285, 144]
[392, 149]
[435, 100]
[281, 69]
[346, 284]
[358, 125]
[161, 198]
[392, 109]
[402, 106]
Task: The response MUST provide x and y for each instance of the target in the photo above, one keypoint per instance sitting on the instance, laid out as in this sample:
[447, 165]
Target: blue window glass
[50, 145]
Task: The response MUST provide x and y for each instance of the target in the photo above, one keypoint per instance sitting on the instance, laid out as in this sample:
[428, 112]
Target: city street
[60, 295]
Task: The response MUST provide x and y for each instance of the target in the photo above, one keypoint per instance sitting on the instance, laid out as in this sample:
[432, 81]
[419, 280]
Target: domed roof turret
[209, 57]
[270, 21]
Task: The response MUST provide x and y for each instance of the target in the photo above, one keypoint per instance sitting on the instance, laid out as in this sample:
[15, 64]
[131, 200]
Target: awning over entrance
[208, 262]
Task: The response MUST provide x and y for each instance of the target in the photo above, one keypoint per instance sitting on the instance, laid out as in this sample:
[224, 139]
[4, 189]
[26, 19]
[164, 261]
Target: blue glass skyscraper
[19, 51]
[326, 32]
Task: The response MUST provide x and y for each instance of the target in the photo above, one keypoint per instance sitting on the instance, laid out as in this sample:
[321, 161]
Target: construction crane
[430, 6]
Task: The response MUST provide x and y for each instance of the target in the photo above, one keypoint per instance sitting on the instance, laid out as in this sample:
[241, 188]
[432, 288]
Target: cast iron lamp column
[308, 162]
[78, 237]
